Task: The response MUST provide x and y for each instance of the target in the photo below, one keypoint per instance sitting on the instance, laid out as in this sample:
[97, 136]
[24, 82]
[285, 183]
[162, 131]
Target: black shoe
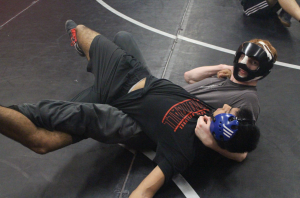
[285, 18]
[70, 28]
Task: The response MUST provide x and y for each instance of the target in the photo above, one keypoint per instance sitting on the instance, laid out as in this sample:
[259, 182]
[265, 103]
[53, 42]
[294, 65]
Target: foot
[285, 23]
[285, 18]
[70, 28]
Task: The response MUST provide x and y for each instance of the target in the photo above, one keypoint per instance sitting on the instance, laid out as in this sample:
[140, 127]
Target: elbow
[187, 78]
[240, 160]
[242, 157]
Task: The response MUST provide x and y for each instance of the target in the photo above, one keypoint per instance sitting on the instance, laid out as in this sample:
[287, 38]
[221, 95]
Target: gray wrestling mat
[37, 62]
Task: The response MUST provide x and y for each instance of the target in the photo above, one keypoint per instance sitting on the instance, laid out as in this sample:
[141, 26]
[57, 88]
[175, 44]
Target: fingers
[219, 74]
[203, 121]
[207, 119]
[225, 73]
[200, 121]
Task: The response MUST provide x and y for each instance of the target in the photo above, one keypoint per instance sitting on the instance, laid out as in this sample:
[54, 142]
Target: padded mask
[262, 55]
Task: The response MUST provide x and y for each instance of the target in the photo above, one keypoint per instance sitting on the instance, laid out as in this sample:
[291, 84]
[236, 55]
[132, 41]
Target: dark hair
[247, 136]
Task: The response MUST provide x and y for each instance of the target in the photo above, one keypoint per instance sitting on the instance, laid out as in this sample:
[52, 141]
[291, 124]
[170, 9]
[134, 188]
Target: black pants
[112, 81]
[88, 114]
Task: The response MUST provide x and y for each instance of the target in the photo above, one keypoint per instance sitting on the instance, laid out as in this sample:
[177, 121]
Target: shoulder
[250, 101]
[250, 95]
[238, 86]
[245, 97]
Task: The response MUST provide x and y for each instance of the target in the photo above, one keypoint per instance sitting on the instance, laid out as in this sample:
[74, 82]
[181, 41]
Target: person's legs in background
[290, 8]
[285, 18]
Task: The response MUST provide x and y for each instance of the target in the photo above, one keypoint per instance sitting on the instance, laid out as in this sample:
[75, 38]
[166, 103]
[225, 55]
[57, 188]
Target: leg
[101, 122]
[115, 71]
[85, 37]
[81, 39]
[82, 33]
[123, 39]
[88, 95]
[291, 7]
[19, 128]
[126, 41]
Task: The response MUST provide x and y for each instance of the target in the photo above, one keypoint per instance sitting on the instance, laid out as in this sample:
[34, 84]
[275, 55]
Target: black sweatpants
[88, 115]
[117, 66]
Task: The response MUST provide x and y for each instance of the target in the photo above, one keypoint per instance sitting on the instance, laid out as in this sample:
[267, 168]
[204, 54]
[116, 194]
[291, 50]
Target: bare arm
[203, 133]
[150, 185]
[239, 157]
[291, 7]
[203, 72]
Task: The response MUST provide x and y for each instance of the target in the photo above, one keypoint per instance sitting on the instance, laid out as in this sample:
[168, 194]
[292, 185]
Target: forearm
[291, 7]
[150, 185]
[239, 157]
[203, 72]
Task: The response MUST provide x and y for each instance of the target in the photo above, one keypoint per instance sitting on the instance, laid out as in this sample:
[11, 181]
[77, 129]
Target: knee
[39, 148]
[122, 35]
[41, 151]
[39, 143]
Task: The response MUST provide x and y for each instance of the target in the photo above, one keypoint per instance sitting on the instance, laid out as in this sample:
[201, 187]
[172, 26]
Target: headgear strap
[267, 49]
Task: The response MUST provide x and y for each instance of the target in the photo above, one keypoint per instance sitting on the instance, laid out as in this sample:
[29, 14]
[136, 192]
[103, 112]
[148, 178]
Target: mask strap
[254, 79]
[267, 50]
[251, 122]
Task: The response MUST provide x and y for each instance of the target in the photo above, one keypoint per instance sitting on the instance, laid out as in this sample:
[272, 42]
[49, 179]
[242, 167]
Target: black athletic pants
[87, 115]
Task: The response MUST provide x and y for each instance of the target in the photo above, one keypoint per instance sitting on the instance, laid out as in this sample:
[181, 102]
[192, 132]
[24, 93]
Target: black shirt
[168, 115]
